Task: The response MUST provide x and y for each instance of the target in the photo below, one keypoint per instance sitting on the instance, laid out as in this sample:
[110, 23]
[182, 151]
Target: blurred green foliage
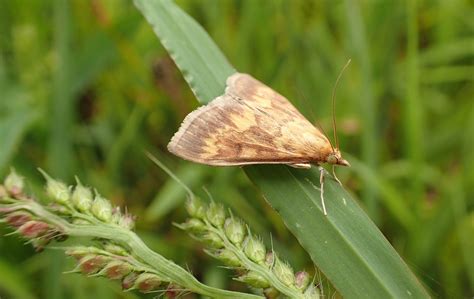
[85, 88]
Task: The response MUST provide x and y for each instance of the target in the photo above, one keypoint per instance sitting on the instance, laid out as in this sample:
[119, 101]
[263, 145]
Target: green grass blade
[413, 112]
[172, 194]
[13, 282]
[16, 116]
[390, 196]
[14, 123]
[209, 66]
[97, 53]
[60, 147]
[123, 142]
[345, 245]
[368, 107]
[60, 152]
[447, 52]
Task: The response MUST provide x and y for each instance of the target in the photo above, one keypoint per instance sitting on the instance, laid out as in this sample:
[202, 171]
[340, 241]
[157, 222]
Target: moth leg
[301, 165]
[321, 182]
[334, 175]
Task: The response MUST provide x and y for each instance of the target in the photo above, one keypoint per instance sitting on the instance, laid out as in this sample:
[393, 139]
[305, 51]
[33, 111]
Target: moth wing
[253, 92]
[249, 124]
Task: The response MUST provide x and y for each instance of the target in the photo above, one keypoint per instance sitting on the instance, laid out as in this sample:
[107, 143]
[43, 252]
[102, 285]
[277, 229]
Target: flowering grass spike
[117, 254]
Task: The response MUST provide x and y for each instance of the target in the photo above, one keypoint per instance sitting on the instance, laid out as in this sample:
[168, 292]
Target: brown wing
[249, 124]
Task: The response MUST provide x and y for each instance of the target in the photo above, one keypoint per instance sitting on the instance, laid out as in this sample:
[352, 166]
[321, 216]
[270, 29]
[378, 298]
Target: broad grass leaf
[346, 245]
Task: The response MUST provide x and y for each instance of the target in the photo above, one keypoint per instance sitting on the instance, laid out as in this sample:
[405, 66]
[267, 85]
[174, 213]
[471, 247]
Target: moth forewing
[253, 124]
[249, 124]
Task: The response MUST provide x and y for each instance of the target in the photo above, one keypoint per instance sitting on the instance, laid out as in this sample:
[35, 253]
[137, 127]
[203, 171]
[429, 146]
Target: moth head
[336, 158]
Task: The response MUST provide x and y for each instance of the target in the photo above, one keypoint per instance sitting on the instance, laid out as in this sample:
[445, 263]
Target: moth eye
[332, 159]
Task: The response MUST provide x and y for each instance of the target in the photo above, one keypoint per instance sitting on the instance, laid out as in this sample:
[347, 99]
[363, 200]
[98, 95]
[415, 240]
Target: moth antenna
[304, 99]
[313, 116]
[170, 173]
[324, 133]
[336, 140]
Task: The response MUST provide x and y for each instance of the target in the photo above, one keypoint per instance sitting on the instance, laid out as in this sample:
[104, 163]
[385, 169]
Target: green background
[85, 88]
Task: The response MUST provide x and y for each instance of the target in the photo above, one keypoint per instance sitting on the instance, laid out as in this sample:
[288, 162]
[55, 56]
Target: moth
[253, 124]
